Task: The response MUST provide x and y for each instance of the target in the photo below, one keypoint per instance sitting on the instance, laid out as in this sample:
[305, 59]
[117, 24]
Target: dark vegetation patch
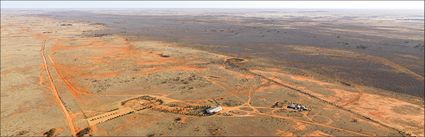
[100, 35]
[101, 85]
[215, 131]
[361, 47]
[66, 24]
[21, 133]
[234, 38]
[231, 103]
[84, 132]
[185, 81]
[164, 55]
[280, 104]
[345, 83]
[98, 24]
[235, 64]
[50, 133]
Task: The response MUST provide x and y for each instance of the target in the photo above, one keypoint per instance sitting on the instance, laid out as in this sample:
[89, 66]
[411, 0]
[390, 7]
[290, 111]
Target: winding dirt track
[256, 112]
[55, 92]
[251, 93]
[247, 103]
[57, 74]
[324, 101]
[246, 70]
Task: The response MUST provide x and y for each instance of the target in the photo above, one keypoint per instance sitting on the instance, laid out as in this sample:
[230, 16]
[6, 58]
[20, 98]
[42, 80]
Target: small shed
[213, 110]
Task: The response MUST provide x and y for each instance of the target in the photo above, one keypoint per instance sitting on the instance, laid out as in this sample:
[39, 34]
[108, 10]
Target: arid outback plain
[155, 72]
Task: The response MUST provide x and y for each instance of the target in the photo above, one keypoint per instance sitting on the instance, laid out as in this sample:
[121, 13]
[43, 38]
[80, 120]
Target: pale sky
[219, 4]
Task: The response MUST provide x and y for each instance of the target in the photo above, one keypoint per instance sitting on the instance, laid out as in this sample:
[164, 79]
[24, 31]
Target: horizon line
[418, 5]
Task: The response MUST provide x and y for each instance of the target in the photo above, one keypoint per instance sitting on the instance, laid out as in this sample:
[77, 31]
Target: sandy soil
[392, 43]
[59, 81]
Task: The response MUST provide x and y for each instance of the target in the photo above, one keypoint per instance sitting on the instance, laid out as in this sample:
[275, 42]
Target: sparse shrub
[83, 132]
[50, 133]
